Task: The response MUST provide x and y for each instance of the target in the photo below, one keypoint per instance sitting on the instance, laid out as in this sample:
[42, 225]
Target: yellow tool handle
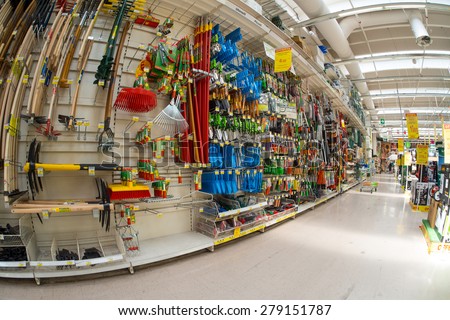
[53, 167]
[64, 209]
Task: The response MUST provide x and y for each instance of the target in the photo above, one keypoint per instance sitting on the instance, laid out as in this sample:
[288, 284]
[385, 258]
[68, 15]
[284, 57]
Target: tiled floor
[356, 246]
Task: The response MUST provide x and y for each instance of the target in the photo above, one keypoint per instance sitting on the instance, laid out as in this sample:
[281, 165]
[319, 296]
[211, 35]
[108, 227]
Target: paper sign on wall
[422, 154]
[446, 134]
[412, 124]
[283, 59]
[401, 145]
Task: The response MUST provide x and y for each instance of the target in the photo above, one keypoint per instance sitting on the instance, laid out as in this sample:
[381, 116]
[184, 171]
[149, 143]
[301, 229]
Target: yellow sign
[283, 59]
[446, 134]
[407, 159]
[422, 154]
[412, 123]
[401, 145]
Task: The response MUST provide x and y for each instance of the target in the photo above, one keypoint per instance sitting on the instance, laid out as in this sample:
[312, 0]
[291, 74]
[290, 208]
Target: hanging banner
[407, 158]
[401, 145]
[412, 123]
[422, 154]
[283, 59]
[446, 134]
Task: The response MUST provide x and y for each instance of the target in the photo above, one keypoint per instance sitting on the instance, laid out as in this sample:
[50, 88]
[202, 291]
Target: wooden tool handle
[64, 209]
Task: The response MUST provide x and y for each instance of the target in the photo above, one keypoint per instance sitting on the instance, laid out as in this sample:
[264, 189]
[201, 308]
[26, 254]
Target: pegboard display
[125, 123]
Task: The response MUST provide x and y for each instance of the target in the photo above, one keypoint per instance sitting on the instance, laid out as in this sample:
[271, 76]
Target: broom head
[121, 192]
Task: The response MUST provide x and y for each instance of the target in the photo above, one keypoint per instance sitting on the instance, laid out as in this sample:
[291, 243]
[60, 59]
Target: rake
[171, 120]
[137, 99]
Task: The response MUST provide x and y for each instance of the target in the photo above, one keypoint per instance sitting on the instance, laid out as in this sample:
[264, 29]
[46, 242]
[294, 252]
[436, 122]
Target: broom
[171, 120]
[136, 99]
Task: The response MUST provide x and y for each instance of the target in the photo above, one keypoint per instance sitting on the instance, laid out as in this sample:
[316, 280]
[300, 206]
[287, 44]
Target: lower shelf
[159, 249]
[432, 239]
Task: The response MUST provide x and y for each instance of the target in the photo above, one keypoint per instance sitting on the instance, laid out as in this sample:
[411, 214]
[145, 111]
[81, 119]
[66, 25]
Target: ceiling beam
[400, 78]
[374, 8]
[395, 95]
[392, 57]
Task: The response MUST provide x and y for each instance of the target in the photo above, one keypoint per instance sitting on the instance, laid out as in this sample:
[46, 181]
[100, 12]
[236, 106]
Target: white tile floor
[356, 246]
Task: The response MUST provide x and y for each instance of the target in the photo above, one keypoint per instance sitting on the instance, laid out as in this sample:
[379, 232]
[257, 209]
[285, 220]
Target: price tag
[141, 46]
[190, 80]
[45, 214]
[186, 165]
[40, 172]
[167, 138]
[2, 237]
[222, 144]
[79, 123]
[39, 264]
[230, 172]
[70, 81]
[217, 109]
[159, 215]
[146, 70]
[101, 125]
[1, 81]
[248, 172]
[101, 83]
[88, 263]
[76, 15]
[222, 171]
[159, 34]
[91, 171]
[169, 72]
[134, 171]
[238, 172]
[200, 210]
[6, 164]
[200, 171]
[86, 124]
[237, 232]
[216, 172]
[227, 142]
[69, 263]
[55, 80]
[41, 80]
[110, 260]
[25, 79]
[8, 80]
[135, 119]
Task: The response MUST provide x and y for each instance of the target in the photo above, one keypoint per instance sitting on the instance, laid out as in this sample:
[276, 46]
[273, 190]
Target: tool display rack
[166, 226]
[24, 238]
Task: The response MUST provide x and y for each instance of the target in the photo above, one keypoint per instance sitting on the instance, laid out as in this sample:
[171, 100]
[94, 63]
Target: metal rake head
[171, 120]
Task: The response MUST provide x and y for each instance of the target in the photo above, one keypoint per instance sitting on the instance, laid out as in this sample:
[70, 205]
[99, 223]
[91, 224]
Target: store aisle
[356, 246]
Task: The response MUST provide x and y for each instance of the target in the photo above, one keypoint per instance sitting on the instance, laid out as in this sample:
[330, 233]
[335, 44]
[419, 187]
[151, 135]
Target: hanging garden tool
[106, 138]
[122, 9]
[35, 170]
[138, 99]
[170, 119]
[69, 120]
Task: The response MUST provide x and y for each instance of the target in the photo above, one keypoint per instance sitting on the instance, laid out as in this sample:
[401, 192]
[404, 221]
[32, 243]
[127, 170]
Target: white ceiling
[400, 86]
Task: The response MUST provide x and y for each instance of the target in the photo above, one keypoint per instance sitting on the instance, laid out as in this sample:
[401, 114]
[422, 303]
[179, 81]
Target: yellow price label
[134, 171]
[237, 232]
[86, 124]
[101, 125]
[79, 123]
[41, 80]
[200, 210]
[69, 263]
[135, 119]
[186, 165]
[167, 138]
[8, 80]
[70, 81]
[40, 264]
[91, 171]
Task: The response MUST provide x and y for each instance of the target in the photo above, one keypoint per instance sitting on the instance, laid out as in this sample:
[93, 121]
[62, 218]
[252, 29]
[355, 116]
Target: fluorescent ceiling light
[411, 90]
[393, 53]
[405, 6]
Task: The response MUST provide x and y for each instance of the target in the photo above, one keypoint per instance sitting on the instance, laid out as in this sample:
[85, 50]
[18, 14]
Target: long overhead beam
[401, 78]
[374, 8]
[392, 57]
